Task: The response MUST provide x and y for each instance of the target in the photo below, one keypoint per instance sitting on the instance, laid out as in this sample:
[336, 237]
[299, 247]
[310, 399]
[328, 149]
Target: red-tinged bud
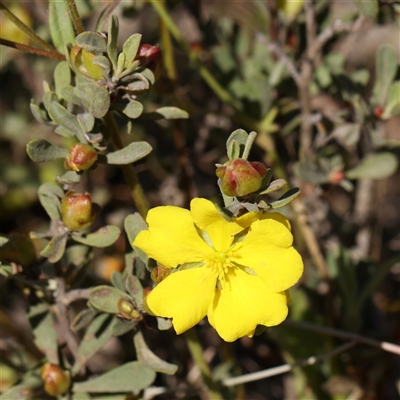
[240, 177]
[150, 57]
[378, 111]
[336, 177]
[77, 211]
[56, 380]
[80, 157]
[82, 60]
[159, 273]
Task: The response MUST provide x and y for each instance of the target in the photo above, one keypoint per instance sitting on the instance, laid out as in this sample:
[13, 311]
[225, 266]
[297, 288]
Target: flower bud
[378, 111]
[76, 211]
[56, 380]
[336, 177]
[82, 60]
[159, 273]
[128, 310]
[240, 177]
[80, 157]
[150, 57]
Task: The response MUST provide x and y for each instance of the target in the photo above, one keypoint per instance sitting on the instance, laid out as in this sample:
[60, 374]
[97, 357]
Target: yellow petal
[243, 303]
[277, 217]
[184, 296]
[267, 250]
[221, 232]
[171, 238]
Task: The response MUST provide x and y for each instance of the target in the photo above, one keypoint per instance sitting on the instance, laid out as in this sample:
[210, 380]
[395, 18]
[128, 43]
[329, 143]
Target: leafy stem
[135, 188]
[32, 50]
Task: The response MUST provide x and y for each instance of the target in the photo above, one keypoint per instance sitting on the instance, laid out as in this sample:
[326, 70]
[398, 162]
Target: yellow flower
[245, 267]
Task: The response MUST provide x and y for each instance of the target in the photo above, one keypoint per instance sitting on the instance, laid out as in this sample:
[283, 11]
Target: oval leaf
[103, 237]
[60, 24]
[129, 154]
[274, 185]
[105, 298]
[131, 47]
[49, 197]
[92, 41]
[377, 166]
[149, 359]
[62, 77]
[69, 178]
[286, 198]
[95, 98]
[40, 150]
[55, 248]
[133, 109]
[172, 113]
[130, 376]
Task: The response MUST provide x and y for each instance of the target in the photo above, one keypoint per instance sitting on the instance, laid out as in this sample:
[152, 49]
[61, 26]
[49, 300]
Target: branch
[27, 30]
[74, 295]
[255, 376]
[76, 19]
[32, 50]
[386, 346]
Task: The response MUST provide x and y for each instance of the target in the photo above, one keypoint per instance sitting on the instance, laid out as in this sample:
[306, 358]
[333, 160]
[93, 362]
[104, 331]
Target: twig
[27, 30]
[32, 50]
[74, 295]
[255, 376]
[386, 346]
[76, 19]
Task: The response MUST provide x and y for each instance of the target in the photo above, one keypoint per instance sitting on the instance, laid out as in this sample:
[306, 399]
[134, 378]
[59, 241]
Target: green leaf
[103, 237]
[122, 326]
[240, 136]
[310, 171]
[117, 280]
[45, 336]
[132, 110]
[68, 94]
[112, 49]
[129, 154]
[133, 224]
[172, 113]
[105, 298]
[40, 150]
[93, 42]
[249, 143]
[62, 77]
[392, 107]
[147, 358]
[234, 150]
[386, 69]
[55, 248]
[369, 8]
[95, 98]
[104, 63]
[69, 178]
[63, 117]
[290, 195]
[60, 130]
[60, 24]
[131, 47]
[96, 336]
[83, 319]
[49, 197]
[135, 289]
[86, 121]
[274, 185]
[39, 112]
[347, 134]
[377, 166]
[126, 378]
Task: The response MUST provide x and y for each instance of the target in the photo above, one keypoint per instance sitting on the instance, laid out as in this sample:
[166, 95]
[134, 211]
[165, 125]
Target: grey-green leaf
[133, 224]
[135, 289]
[95, 98]
[63, 117]
[62, 77]
[233, 150]
[40, 150]
[49, 197]
[240, 136]
[129, 154]
[126, 378]
[149, 359]
[286, 198]
[378, 166]
[172, 113]
[133, 109]
[103, 237]
[55, 248]
[368, 7]
[274, 185]
[93, 42]
[60, 24]
[86, 121]
[131, 47]
[105, 298]
[83, 319]
[112, 49]
[70, 177]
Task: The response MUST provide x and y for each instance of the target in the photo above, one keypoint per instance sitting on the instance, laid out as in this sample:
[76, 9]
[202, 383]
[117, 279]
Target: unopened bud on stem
[77, 211]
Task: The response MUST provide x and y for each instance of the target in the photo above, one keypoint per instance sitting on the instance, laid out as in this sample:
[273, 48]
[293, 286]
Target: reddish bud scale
[77, 212]
[240, 177]
[336, 177]
[378, 111]
[159, 273]
[150, 57]
[80, 157]
[56, 380]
